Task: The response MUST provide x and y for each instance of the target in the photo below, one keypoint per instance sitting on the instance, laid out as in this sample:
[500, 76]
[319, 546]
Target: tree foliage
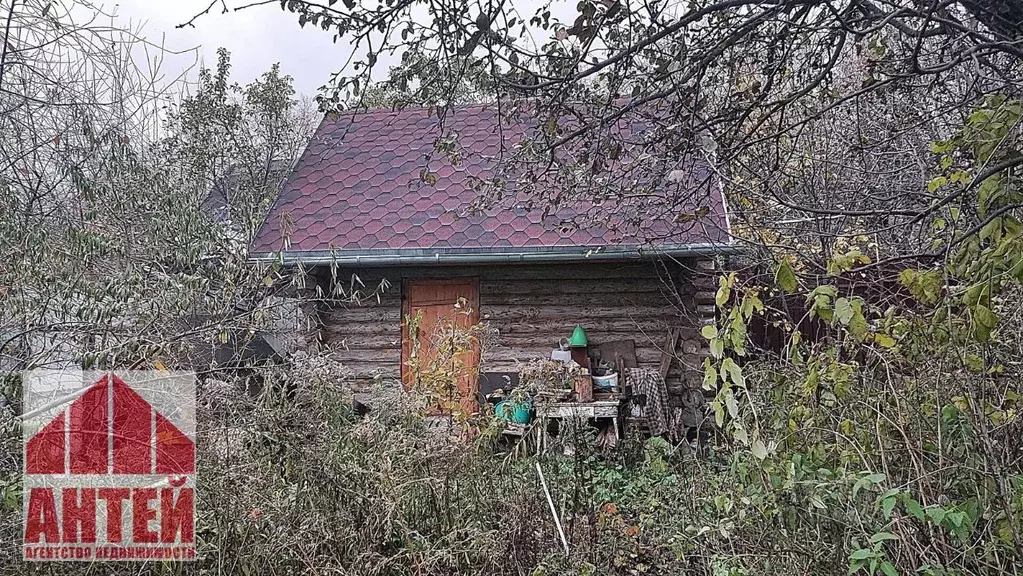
[111, 252]
[869, 153]
[235, 145]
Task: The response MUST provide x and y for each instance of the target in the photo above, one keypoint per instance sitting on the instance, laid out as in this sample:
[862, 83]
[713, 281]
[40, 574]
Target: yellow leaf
[884, 340]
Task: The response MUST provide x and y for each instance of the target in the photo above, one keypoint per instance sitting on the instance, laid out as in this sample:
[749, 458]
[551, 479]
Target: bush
[292, 481]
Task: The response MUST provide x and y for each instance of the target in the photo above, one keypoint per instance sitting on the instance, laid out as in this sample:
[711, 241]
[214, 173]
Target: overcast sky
[256, 37]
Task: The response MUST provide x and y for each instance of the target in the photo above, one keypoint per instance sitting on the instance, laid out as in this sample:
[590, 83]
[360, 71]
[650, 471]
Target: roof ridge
[398, 110]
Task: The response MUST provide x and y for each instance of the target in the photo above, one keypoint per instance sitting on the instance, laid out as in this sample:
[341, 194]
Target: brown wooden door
[445, 305]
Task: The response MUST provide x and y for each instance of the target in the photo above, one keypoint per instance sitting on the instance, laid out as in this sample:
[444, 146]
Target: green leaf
[991, 230]
[710, 374]
[974, 363]
[847, 427]
[825, 290]
[734, 372]
[738, 336]
[889, 569]
[858, 326]
[758, 449]
[936, 514]
[723, 293]
[882, 537]
[867, 482]
[740, 434]
[888, 501]
[709, 332]
[913, 507]
[746, 307]
[731, 404]
[717, 348]
[862, 554]
[887, 505]
[843, 311]
[925, 285]
[758, 304]
[984, 321]
[785, 278]
[985, 316]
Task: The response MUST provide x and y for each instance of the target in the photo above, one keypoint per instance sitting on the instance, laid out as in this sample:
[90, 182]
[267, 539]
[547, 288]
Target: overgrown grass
[292, 482]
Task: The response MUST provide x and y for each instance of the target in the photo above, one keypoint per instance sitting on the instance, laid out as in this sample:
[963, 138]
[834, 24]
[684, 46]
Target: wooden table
[587, 410]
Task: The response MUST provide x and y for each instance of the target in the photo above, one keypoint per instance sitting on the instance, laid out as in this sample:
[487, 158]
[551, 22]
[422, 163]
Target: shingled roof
[358, 194]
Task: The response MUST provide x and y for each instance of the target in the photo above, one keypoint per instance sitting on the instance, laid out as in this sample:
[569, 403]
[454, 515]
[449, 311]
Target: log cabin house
[357, 204]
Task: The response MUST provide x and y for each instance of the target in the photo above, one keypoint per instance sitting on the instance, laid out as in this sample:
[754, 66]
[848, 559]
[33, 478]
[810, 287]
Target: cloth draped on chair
[647, 382]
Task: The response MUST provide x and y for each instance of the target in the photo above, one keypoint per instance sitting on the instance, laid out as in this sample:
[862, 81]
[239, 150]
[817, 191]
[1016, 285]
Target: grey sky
[256, 37]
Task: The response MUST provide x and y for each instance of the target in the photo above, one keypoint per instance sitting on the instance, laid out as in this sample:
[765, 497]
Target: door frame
[406, 311]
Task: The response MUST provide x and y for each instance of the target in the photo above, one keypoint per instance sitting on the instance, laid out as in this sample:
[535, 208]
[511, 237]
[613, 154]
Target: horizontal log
[388, 303]
[359, 315]
[602, 330]
[380, 357]
[581, 301]
[365, 342]
[359, 329]
[563, 328]
[544, 335]
[649, 345]
[366, 378]
[524, 322]
[371, 276]
[369, 373]
[529, 311]
[524, 313]
[549, 287]
[368, 368]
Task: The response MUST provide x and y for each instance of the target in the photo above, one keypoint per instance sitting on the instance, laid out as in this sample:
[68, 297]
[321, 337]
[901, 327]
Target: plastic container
[606, 382]
[515, 412]
[561, 356]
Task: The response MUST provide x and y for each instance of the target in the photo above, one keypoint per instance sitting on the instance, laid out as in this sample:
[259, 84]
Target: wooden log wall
[532, 307]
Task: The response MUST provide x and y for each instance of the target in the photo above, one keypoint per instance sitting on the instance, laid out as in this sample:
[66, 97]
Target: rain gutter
[425, 257]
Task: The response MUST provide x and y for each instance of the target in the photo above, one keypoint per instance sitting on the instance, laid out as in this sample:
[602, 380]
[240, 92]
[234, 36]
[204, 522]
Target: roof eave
[426, 257]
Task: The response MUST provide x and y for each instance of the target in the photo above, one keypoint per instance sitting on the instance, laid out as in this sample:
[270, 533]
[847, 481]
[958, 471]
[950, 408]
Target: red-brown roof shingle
[359, 187]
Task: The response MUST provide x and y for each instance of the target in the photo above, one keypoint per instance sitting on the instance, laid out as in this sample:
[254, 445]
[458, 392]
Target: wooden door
[445, 305]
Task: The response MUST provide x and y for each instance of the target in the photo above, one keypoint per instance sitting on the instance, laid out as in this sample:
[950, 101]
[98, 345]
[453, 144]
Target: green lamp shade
[578, 337]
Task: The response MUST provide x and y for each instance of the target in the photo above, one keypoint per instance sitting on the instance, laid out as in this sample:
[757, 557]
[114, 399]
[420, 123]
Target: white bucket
[609, 381]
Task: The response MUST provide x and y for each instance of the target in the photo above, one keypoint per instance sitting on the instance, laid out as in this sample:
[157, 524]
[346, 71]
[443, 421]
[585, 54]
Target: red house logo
[108, 476]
